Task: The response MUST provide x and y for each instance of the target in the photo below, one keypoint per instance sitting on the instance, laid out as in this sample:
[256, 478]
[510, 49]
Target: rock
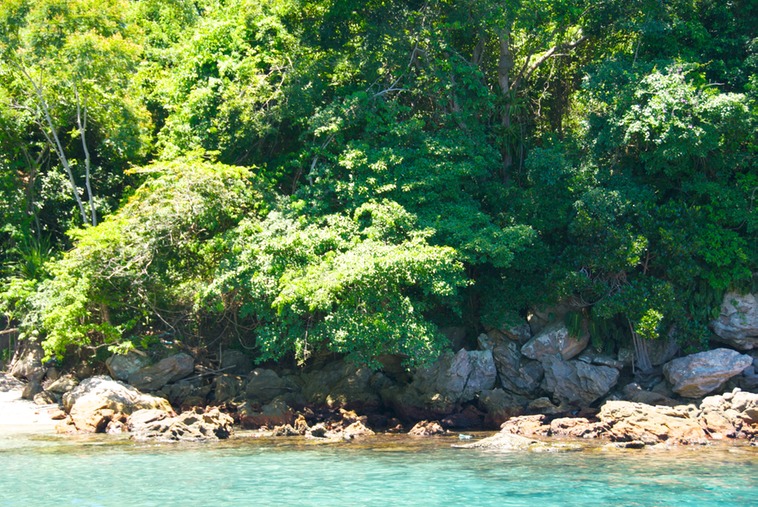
[504, 441]
[627, 421]
[589, 356]
[121, 366]
[468, 418]
[236, 362]
[343, 384]
[171, 369]
[186, 393]
[634, 392]
[92, 404]
[527, 425]
[44, 398]
[732, 415]
[575, 382]
[517, 373]
[737, 324]
[318, 431]
[31, 389]
[27, 361]
[543, 405]
[439, 389]
[276, 413]
[575, 427]
[426, 429]
[662, 350]
[227, 388]
[356, 430]
[194, 425]
[699, 374]
[63, 385]
[263, 385]
[555, 339]
[501, 406]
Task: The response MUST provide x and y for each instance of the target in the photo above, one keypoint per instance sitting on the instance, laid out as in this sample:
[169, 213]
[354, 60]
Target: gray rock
[576, 382]
[555, 339]
[501, 406]
[63, 385]
[737, 325]
[27, 361]
[517, 373]
[171, 369]
[662, 350]
[194, 425]
[263, 385]
[186, 393]
[44, 398]
[31, 389]
[95, 401]
[227, 388]
[342, 384]
[121, 366]
[439, 389]
[236, 362]
[699, 374]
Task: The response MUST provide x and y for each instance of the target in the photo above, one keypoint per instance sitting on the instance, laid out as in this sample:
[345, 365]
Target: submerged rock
[505, 441]
[699, 374]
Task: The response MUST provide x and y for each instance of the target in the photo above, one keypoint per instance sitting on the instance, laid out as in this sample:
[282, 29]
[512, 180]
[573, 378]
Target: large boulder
[555, 339]
[699, 374]
[737, 324]
[27, 361]
[576, 382]
[97, 400]
[236, 362]
[439, 389]
[343, 384]
[732, 415]
[500, 406]
[626, 421]
[275, 413]
[194, 425]
[120, 366]
[517, 373]
[170, 369]
[263, 385]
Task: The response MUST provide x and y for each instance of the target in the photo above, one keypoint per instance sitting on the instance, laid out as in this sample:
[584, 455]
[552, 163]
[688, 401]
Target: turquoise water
[388, 471]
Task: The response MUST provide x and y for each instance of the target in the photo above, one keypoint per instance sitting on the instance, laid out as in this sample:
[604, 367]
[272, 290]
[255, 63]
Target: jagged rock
[193, 425]
[276, 413]
[318, 431]
[236, 362]
[737, 324]
[590, 356]
[575, 427]
[732, 415]
[699, 374]
[92, 404]
[426, 429]
[501, 406]
[662, 350]
[171, 369]
[527, 425]
[263, 385]
[227, 388]
[27, 361]
[517, 373]
[121, 366]
[439, 389]
[555, 339]
[627, 421]
[575, 382]
[356, 430]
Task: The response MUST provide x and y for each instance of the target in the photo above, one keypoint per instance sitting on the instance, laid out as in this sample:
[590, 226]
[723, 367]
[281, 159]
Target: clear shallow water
[390, 471]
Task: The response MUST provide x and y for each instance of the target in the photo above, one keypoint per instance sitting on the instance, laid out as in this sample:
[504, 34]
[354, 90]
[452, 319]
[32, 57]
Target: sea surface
[382, 471]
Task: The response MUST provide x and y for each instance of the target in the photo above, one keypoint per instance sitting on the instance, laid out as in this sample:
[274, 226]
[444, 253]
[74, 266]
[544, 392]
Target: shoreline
[23, 417]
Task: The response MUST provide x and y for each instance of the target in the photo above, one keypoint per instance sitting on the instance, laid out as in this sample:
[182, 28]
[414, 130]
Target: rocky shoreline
[533, 380]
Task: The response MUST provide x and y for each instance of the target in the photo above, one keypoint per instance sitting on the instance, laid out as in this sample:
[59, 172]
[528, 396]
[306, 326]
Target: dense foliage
[301, 176]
